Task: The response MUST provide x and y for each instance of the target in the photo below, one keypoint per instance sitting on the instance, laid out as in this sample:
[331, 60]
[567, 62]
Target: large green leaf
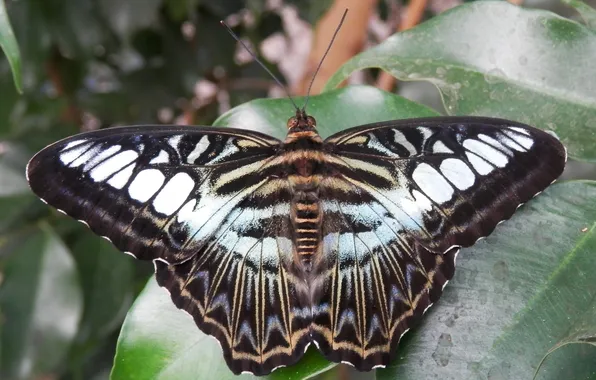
[15, 196]
[334, 111]
[159, 341]
[8, 43]
[41, 305]
[497, 59]
[106, 279]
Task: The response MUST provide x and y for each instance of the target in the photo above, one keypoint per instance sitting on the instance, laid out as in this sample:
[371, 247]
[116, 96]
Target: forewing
[156, 192]
[241, 286]
[371, 285]
[447, 181]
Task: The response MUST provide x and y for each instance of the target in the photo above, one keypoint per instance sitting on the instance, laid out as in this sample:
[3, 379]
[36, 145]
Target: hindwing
[372, 284]
[242, 288]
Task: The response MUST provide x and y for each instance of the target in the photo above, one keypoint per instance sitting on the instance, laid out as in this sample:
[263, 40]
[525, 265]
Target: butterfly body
[273, 245]
[305, 165]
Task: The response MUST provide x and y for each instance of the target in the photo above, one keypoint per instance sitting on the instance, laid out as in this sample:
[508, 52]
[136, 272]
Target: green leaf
[587, 12]
[41, 305]
[497, 59]
[9, 45]
[15, 196]
[515, 295]
[13, 161]
[334, 111]
[582, 332]
[106, 279]
[160, 341]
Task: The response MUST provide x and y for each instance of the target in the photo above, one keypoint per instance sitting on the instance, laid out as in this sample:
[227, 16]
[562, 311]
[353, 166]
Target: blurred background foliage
[88, 64]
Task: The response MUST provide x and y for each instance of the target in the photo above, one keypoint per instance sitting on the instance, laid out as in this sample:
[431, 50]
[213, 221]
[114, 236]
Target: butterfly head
[301, 122]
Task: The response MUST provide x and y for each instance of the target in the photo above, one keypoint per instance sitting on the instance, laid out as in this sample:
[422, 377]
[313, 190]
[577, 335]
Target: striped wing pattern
[373, 286]
[155, 192]
[448, 181]
[218, 212]
[241, 289]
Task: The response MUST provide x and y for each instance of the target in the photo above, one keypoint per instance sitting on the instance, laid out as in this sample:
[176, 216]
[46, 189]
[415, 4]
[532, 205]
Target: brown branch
[413, 15]
[349, 42]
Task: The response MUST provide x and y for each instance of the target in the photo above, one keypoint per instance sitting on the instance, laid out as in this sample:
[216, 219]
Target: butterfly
[272, 245]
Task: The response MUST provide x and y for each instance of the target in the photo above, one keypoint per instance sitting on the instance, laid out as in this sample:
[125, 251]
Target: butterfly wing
[401, 199]
[241, 287]
[206, 205]
[371, 286]
[156, 192]
[448, 181]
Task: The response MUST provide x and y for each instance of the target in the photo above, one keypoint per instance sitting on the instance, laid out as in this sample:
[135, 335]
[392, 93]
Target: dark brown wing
[241, 287]
[156, 192]
[448, 181]
[371, 284]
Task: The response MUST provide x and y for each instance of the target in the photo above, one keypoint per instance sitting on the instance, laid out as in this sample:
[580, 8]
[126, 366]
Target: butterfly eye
[292, 122]
[311, 121]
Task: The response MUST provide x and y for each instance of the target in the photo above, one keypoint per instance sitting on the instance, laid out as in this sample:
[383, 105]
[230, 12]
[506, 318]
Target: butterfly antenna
[323, 59]
[259, 62]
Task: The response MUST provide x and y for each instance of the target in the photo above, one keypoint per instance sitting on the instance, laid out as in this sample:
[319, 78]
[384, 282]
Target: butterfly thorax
[304, 162]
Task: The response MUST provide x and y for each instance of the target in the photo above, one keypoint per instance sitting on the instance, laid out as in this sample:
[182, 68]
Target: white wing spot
[73, 144]
[458, 173]
[145, 184]
[71, 155]
[162, 158]
[401, 139]
[525, 142]
[199, 149]
[174, 141]
[185, 212]
[85, 157]
[113, 165]
[173, 194]
[426, 132]
[422, 201]
[440, 147]
[101, 156]
[481, 166]
[487, 152]
[520, 130]
[495, 143]
[432, 183]
[121, 179]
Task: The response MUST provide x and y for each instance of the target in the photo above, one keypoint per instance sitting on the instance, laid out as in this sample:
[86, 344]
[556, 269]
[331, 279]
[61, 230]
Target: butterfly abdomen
[305, 163]
[306, 219]
[304, 176]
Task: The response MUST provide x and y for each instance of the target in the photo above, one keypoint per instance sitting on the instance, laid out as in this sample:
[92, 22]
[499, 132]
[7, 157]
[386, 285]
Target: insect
[273, 245]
